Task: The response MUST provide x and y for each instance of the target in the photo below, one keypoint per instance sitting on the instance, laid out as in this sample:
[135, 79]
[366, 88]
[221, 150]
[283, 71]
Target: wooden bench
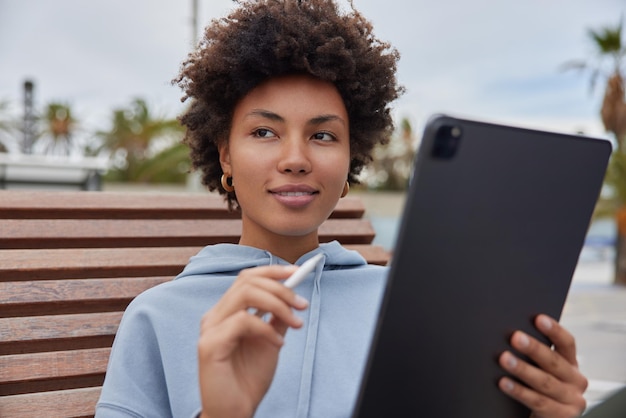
[70, 262]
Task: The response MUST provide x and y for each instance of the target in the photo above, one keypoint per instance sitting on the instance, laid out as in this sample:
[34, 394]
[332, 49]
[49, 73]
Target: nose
[294, 157]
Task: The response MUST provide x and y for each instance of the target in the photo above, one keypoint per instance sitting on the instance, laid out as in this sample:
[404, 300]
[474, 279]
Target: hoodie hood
[345, 289]
[153, 366]
[231, 258]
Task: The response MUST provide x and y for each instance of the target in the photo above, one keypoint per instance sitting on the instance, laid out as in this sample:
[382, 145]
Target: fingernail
[522, 340]
[297, 320]
[510, 361]
[508, 385]
[544, 323]
[301, 302]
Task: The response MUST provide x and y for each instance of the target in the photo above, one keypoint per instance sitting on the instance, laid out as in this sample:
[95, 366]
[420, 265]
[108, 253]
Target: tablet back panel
[490, 236]
[612, 407]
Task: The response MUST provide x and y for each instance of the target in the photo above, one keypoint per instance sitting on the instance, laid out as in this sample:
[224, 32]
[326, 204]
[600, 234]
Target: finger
[279, 326]
[248, 290]
[550, 361]
[256, 285]
[535, 378]
[298, 302]
[274, 272]
[217, 342]
[563, 341]
[543, 383]
[541, 405]
[270, 298]
[266, 277]
[278, 310]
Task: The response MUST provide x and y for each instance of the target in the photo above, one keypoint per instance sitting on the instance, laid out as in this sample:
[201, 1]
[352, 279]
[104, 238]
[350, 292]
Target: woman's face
[289, 155]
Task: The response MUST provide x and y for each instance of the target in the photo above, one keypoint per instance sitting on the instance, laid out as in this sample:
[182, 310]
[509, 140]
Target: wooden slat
[17, 265]
[54, 365]
[24, 204]
[23, 329]
[33, 334]
[97, 233]
[65, 404]
[347, 231]
[75, 291]
[374, 254]
[349, 207]
[100, 233]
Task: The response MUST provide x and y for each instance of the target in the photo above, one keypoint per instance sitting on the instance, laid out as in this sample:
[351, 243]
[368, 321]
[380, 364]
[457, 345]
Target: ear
[224, 157]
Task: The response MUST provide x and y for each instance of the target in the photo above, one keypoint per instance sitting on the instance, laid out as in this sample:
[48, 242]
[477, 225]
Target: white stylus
[299, 275]
[308, 266]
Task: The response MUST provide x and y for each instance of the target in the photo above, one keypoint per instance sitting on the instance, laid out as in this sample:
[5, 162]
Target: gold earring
[228, 187]
[346, 189]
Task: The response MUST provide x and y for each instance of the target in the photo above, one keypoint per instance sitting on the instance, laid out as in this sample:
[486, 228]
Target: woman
[288, 100]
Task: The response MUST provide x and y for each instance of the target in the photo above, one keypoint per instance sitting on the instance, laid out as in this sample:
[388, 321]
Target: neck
[289, 248]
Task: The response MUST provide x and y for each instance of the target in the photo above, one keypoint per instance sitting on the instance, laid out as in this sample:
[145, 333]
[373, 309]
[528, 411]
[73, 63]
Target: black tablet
[612, 407]
[494, 222]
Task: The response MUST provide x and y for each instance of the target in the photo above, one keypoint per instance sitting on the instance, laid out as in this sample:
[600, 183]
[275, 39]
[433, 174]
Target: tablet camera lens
[446, 142]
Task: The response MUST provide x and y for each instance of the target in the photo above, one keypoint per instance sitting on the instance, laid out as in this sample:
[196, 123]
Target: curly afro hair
[262, 39]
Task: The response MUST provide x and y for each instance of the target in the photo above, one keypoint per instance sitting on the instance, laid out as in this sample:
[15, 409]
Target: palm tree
[611, 50]
[7, 126]
[172, 165]
[57, 131]
[392, 162]
[132, 138]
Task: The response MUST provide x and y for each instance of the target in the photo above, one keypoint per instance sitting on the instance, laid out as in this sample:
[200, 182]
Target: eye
[263, 133]
[323, 136]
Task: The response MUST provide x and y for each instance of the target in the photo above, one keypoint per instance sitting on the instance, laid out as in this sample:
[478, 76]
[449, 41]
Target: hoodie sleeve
[135, 382]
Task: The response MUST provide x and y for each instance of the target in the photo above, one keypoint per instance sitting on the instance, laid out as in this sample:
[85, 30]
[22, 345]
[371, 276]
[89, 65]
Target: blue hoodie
[153, 369]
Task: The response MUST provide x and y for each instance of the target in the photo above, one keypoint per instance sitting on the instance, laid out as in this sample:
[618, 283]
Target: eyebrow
[266, 114]
[317, 120]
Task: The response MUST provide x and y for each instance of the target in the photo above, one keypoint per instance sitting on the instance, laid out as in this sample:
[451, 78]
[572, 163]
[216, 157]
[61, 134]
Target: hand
[237, 350]
[554, 387]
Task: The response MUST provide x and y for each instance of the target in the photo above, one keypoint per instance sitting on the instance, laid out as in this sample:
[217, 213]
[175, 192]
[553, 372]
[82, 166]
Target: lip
[294, 195]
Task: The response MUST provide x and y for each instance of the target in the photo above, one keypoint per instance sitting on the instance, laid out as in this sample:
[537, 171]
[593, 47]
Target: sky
[494, 60]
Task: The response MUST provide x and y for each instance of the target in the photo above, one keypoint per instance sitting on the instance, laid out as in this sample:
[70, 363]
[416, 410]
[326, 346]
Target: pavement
[594, 312]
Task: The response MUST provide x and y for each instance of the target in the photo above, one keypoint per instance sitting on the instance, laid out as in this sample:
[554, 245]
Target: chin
[296, 230]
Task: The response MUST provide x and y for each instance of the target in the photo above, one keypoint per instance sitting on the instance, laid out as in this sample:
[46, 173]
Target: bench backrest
[70, 262]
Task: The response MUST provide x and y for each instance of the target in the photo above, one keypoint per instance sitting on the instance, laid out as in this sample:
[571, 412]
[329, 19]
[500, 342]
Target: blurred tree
[7, 126]
[142, 147]
[392, 163]
[172, 165]
[57, 129]
[610, 51]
